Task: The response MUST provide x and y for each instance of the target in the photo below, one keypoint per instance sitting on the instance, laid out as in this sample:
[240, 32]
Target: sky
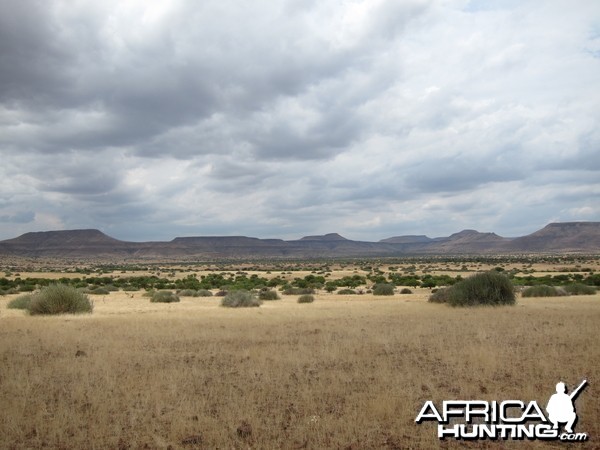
[280, 119]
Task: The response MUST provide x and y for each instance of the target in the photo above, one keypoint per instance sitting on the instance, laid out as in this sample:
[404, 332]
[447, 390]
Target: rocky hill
[583, 237]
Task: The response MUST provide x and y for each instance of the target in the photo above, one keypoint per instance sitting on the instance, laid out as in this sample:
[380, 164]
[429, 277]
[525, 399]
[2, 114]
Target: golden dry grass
[343, 372]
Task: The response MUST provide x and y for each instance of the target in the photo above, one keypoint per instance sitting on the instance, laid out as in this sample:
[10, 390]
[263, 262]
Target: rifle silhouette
[574, 394]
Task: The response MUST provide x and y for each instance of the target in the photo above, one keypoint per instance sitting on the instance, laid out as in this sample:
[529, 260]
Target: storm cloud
[370, 118]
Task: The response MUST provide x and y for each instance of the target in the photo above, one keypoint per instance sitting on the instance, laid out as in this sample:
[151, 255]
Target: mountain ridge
[560, 237]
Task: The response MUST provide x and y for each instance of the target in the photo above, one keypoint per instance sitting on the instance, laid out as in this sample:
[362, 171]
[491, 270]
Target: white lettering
[434, 415]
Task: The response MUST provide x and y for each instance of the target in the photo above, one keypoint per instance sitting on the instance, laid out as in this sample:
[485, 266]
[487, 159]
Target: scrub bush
[268, 295]
[486, 289]
[240, 299]
[21, 302]
[542, 290]
[579, 289]
[164, 297]
[383, 289]
[60, 299]
[306, 298]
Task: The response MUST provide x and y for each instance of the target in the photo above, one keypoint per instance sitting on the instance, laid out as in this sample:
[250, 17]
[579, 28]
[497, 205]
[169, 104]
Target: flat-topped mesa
[578, 237]
[325, 237]
[408, 239]
[64, 237]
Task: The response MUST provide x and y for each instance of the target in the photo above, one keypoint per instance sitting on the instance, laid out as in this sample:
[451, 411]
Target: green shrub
[240, 299]
[60, 299]
[489, 288]
[306, 298]
[542, 290]
[346, 291]
[579, 289]
[406, 291]
[383, 289]
[268, 295]
[21, 302]
[164, 297]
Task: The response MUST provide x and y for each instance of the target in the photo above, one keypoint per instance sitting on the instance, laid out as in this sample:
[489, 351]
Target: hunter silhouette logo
[509, 419]
[560, 406]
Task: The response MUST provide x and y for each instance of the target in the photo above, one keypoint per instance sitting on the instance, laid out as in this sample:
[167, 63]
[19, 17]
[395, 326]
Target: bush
[439, 296]
[489, 288]
[203, 293]
[298, 291]
[406, 291]
[99, 291]
[187, 293]
[240, 299]
[268, 295]
[21, 302]
[306, 298]
[579, 289]
[60, 299]
[164, 297]
[194, 293]
[346, 291]
[383, 289]
[542, 290]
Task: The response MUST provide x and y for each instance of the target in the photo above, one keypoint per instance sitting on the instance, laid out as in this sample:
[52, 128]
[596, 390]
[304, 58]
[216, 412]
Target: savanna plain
[348, 371]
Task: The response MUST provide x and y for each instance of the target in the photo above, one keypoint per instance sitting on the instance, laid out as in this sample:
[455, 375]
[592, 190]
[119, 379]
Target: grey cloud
[460, 174]
[32, 64]
[19, 217]
[78, 179]
[313, 112]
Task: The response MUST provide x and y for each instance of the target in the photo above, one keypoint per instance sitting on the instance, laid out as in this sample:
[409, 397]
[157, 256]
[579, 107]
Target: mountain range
[566, 237]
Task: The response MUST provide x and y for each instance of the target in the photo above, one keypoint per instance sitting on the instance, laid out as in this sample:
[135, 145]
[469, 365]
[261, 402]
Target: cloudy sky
[371, 118]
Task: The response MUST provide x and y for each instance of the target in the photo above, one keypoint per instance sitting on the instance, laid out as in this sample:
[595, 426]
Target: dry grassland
[347, 372]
